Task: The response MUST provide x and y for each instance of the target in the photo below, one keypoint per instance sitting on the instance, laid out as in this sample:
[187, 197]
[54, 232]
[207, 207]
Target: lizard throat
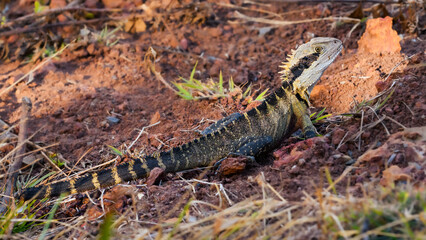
[304, 63]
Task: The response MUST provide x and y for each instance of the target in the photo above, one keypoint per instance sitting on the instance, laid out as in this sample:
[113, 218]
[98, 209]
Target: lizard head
[307, 63]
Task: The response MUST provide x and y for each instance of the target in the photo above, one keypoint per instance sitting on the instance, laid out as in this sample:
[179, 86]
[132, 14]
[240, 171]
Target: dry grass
[396, 212]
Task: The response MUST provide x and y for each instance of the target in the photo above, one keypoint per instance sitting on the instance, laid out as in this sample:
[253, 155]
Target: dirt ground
[93, 96]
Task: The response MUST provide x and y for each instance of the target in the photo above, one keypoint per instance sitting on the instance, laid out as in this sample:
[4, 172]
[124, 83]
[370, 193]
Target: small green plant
[3, 20]
[108, 37]
[376, 103]
[38, 7]
[316, 117]
[395, 214]
[106, 230]
[182, 214]
[54, 158]
[193, 89]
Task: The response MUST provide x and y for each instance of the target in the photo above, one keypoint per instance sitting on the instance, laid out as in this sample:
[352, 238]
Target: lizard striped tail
[174, 160]
[134, 169]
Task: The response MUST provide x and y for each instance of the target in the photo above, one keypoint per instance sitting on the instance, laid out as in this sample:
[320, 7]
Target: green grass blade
[180, 218]
[386, 99]
[193, 71]
[231, 84]
[330, 180]
[49, 219]
[260, 97]
[247, 92]
[320, 113]
[41, 179]
[106, 230]
[220, 82]
[115, 150]
[183, 92]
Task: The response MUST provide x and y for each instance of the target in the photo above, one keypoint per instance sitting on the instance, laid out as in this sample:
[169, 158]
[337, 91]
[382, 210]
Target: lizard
[242, 134]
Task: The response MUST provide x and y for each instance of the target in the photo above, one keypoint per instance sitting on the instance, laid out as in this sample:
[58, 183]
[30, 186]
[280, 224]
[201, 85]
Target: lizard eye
[318, 49]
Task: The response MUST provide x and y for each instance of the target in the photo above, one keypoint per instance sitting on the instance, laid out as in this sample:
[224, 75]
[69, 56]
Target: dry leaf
[155, 118]
[140, 26]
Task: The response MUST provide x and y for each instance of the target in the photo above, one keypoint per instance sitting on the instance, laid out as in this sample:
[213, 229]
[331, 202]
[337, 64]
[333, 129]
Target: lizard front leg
[300, 111]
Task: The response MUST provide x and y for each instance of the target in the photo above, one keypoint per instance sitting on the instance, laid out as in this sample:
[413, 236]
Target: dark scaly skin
[280, 114]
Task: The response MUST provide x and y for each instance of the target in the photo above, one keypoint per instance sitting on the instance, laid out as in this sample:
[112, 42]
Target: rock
[91, 3]
[408, 143]
[139, 26]
[365, 135]
[59, 4]
[215, 32]
[392, 174]
[216, 68]
[91, 49]
[30, 159]
[94, 213]
[379, 37]
[305, 150]
[112, 120]
[155, 176]
[183, 44]
[12, 38]
[232, 165]
[338, 135]
[381, 86]
[112, 3]
[294, 170]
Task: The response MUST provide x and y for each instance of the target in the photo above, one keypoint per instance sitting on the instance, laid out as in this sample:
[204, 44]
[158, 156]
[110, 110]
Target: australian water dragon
[280, 114]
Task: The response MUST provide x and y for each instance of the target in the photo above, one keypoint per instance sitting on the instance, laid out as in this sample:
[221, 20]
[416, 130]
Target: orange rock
[379, 37]
[392, 174]
[112, 3]
[59, 4]
[91, 3]
[94, 213]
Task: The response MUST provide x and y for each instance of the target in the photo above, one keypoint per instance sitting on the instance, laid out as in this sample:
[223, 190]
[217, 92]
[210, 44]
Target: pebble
[91, 49]
[91, 3]
[215, 32]
[295, 169]
[113, 120]
[380, 86]
[183, 44]
[337, 136]
[29, 159]
[112, 3]
[216, 68]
